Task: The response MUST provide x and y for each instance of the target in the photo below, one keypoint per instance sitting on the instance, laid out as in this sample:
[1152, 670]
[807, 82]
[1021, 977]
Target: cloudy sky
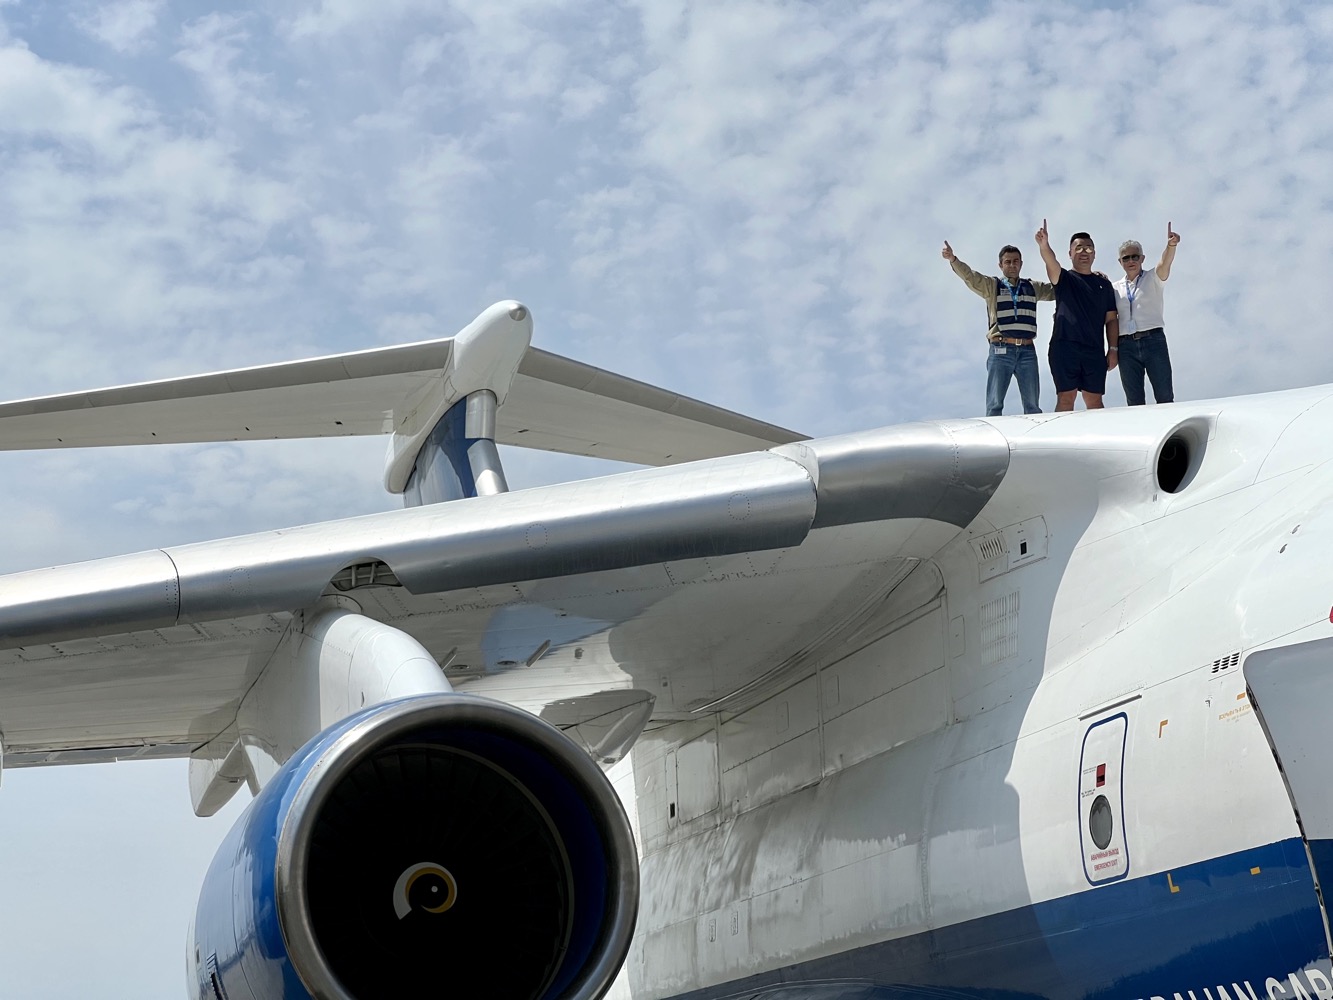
[743, 201]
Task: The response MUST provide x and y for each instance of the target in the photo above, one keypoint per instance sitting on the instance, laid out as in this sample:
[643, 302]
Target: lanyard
[1013, 294]
[1131, 292]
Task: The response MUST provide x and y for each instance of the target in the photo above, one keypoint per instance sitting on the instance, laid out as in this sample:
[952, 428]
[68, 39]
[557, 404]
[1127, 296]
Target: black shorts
[1074, 366]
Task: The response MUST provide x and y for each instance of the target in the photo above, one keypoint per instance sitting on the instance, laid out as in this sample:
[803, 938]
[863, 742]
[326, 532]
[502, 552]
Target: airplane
[1025, 706]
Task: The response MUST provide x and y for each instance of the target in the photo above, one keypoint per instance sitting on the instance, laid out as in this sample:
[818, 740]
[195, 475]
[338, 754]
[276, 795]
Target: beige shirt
[984, 285]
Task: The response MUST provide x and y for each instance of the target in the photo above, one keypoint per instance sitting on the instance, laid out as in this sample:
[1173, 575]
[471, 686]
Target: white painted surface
[942, 803]
[873, 734]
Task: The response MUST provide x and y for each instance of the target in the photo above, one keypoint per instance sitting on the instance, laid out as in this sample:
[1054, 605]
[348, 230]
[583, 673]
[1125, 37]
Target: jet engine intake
[440, 845]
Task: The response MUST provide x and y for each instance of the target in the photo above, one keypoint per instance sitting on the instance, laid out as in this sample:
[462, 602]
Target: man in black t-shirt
[1084, 310]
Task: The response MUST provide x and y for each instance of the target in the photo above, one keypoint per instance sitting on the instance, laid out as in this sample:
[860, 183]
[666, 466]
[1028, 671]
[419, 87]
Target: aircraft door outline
[1101, 801]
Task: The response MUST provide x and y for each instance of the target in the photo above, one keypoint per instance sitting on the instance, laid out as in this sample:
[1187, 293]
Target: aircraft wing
[697, 583]
[553, 403]
[560, 405]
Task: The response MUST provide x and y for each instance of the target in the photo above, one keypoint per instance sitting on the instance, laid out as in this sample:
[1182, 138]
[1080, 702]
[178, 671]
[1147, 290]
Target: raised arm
[979, 283]
[1047, 254]
[1169, 254]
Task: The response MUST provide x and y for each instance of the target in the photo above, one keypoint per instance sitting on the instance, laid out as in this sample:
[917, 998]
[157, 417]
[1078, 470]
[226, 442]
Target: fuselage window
[1100, 823]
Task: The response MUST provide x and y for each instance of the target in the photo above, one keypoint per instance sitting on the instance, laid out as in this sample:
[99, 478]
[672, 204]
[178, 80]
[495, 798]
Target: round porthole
[1100, 823]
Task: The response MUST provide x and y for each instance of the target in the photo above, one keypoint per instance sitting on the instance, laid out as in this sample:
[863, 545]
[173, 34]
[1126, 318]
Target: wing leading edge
[149, 654]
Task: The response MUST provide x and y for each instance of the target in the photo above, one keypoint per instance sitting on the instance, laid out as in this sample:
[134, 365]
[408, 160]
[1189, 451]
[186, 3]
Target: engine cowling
[440, 845]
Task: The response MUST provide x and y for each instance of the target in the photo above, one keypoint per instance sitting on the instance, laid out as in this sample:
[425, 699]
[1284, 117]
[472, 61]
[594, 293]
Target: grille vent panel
[369, 574]
[991, 546]
[999, 629]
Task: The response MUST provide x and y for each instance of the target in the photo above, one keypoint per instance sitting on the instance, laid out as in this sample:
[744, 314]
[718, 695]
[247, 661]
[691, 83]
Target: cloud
[329, 17]
[119, 227]
[821, 157]
[742, 201]
[75, 106]
[216, 48]
[126, 26]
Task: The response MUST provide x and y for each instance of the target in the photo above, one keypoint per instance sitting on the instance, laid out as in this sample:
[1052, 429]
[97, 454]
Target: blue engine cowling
[432, 846]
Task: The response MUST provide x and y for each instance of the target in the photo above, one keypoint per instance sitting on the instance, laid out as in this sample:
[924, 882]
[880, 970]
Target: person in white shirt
[1138, 300]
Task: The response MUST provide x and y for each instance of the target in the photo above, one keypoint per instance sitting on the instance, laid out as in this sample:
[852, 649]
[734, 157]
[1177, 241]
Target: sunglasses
[1131, 256]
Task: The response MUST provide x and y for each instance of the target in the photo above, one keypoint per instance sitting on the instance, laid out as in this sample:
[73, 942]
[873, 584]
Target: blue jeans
[1147, 355]
[1020, 362]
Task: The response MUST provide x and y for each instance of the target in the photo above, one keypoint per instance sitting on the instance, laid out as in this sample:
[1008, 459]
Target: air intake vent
[1011, 547]
[367, 574]
[1225, 663]
[999, 629]
[1180, 456]
[990, 546]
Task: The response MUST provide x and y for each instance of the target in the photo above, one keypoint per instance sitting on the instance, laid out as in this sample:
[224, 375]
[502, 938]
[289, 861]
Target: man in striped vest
[1011, 308]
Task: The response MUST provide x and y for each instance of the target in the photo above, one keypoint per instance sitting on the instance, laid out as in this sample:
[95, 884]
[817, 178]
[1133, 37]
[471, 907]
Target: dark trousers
[1146, 355]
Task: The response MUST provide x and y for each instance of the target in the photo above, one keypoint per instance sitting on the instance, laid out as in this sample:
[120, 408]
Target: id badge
[1001, 350]
[1131, 326]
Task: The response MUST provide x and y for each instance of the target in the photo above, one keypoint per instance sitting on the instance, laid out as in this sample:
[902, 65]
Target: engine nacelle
[440, 845]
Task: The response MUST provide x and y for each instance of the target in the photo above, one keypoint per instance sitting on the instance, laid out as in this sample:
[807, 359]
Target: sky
[741, 201]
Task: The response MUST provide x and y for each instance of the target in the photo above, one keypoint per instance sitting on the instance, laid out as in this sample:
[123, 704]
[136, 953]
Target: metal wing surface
[554, 404]
[701, 584]
[560, 405]
[332, 396]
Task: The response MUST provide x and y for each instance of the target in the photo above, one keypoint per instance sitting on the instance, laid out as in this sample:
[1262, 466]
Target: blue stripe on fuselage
[1225, 926]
